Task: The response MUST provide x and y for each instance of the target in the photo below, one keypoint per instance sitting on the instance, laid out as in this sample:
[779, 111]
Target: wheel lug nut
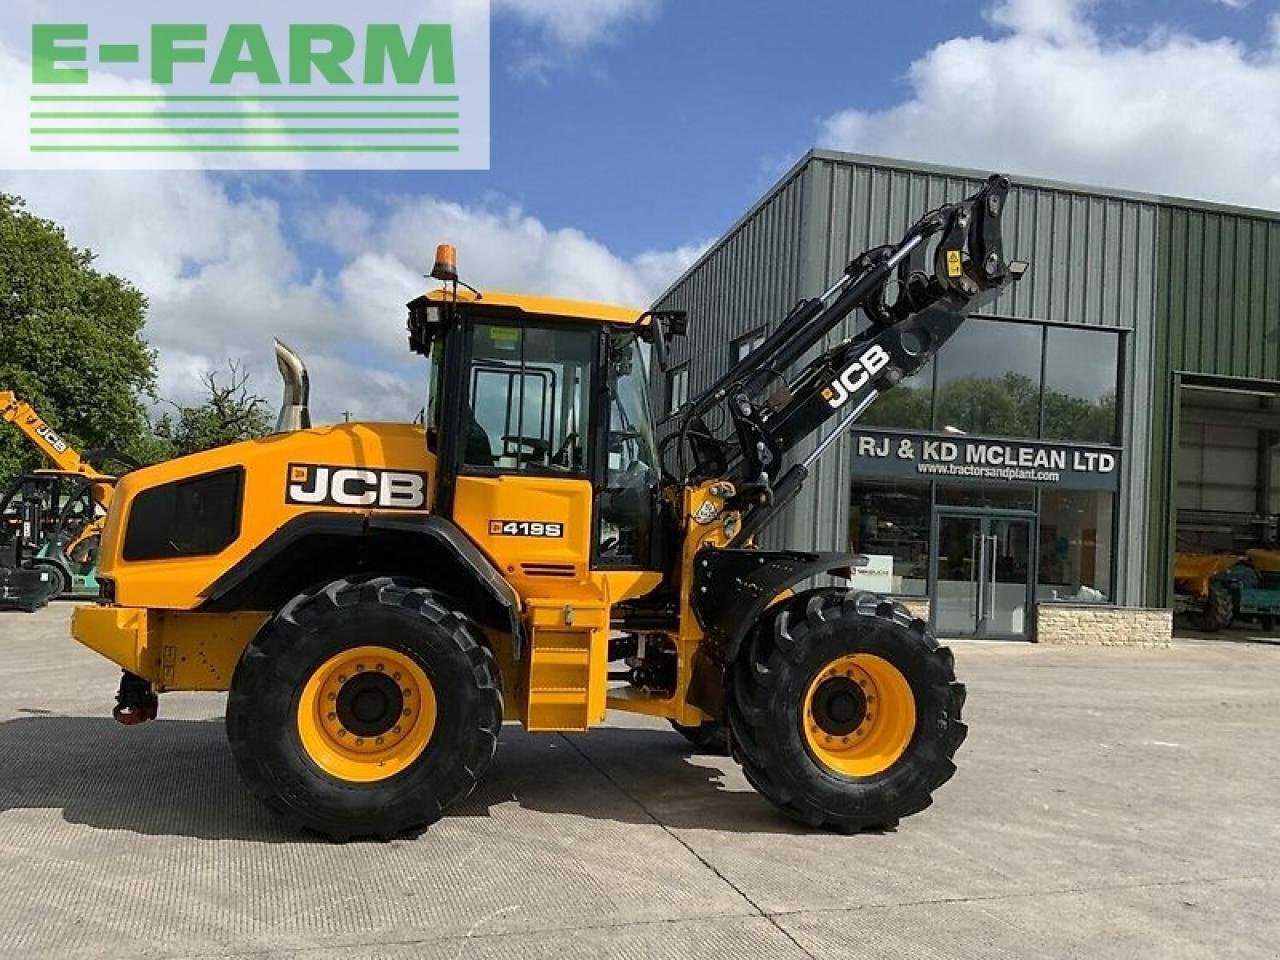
[359, 668]
[333, 716]
[342, 678]
[333, 696]
[359, 741]
[342, 733]
[408, 692]
[379, 740]
[395, 729]
[407, 711]
[379, 668]
[395, 676]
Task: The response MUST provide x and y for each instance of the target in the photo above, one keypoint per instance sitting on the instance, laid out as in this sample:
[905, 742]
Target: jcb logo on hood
[311, 484]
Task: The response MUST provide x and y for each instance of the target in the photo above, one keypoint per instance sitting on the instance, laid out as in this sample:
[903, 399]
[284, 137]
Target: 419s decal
[525, 528]
[311, 484]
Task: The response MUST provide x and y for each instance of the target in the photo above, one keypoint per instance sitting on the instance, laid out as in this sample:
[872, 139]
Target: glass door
[982, 575]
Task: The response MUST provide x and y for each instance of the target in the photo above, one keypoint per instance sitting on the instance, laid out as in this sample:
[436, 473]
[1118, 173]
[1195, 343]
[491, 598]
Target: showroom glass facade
[988, 483]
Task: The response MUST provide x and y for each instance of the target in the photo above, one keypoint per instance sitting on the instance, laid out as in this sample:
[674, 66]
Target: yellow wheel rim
[859, 715]
[366, 714]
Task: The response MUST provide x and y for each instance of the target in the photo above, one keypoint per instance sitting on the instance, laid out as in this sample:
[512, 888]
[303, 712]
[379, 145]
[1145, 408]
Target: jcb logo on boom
[45, 433]
[314, 485]
[855, 376]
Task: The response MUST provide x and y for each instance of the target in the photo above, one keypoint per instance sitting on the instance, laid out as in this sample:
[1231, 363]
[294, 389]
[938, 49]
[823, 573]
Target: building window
[988, 379]
[986, 497]
[1081, 369]
[743, 346]
[677, 388]
[908, 406]
[530, 395]
[889, 521]
[1076, 546]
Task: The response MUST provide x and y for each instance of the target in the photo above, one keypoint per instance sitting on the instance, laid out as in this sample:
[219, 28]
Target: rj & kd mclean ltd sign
[954, 458]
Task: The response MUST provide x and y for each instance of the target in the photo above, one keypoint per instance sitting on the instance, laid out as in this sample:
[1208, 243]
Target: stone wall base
[1071, 624]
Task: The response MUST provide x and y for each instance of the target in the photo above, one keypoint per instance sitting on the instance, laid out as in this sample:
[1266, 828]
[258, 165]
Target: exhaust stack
[294, 412]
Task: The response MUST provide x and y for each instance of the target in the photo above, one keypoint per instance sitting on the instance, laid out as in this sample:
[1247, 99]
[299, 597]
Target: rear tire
[365, 709]
[1219, 609]
[845, 712]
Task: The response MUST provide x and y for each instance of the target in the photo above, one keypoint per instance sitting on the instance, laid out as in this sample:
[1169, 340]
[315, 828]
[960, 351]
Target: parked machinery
[378, 598]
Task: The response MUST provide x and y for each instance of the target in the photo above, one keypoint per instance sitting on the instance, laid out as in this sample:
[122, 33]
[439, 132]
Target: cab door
[522, 431]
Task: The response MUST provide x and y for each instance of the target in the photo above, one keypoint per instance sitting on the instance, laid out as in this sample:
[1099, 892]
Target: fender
[261, 580]
[733, 588]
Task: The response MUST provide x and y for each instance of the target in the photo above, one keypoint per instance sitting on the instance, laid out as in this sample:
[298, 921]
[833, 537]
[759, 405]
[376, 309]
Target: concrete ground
[1110, 803]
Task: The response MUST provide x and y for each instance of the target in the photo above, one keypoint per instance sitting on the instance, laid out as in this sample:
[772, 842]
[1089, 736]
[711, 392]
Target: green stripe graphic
[306, 115]
[244, 148]
[237, 131]
[86, 98]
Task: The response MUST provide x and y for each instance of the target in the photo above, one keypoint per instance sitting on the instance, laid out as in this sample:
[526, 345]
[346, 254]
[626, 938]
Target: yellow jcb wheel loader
[379, 598]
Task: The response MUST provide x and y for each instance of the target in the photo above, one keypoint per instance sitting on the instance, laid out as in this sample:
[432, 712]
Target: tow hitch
[135, 701]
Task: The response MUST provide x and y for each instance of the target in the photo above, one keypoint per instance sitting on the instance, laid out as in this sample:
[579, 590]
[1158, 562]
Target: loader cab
[538, 411]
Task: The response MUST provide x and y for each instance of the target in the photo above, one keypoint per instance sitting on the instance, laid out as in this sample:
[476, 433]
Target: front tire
[365, 709]
[845, 712]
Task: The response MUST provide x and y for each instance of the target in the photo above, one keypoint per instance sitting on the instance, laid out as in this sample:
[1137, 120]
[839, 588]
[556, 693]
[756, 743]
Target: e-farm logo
[256, 89]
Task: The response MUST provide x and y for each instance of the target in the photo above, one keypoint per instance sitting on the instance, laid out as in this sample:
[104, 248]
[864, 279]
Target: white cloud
[1050, 95]
[223, 276]
[578, 23]
[1233, 4]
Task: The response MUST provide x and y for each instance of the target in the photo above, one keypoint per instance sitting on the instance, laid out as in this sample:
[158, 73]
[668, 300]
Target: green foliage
[1007, 406]
[904, 406]
[228, 414]
[70, 341]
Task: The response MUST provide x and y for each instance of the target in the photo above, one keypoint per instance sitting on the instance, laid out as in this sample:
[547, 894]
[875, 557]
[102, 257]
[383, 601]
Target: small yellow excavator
[51, 519]
[378, 598]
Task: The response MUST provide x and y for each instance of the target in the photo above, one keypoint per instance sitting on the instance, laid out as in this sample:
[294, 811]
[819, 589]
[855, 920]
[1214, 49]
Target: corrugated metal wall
[748, 279]
[1093, 263]
[1217, 314]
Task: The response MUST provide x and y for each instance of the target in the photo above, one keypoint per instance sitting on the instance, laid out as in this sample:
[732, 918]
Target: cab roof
[542, 306]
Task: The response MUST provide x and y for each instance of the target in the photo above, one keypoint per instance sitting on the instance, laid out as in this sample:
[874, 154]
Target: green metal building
[1119, 404]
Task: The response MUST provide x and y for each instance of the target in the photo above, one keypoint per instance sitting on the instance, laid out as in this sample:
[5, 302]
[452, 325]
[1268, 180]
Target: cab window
[629, 498]
[529, 395]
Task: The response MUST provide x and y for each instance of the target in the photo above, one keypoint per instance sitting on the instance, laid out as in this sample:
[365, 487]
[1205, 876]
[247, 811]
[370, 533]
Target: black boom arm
[950, 263]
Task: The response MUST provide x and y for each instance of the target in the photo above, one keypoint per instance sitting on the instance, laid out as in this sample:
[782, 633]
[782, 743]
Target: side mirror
[662, 325]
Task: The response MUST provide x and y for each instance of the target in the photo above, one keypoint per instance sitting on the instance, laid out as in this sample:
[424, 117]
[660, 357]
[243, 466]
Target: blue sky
[629, 134]
[669, 127]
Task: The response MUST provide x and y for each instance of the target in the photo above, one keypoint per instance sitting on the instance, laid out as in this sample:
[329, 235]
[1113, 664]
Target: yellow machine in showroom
[379, 598]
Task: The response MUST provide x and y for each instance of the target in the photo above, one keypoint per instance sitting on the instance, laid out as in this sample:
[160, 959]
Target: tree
[70, 341]
[229, 413]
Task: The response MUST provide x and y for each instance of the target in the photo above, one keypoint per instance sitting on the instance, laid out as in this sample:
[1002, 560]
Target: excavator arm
[916, 294]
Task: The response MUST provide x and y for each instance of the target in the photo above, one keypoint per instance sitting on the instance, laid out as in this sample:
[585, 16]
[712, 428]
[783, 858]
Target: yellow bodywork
[176, 584]
[172, 649]
[544, 306]
[1193, 571]
[154, 626]
[1264, 561]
